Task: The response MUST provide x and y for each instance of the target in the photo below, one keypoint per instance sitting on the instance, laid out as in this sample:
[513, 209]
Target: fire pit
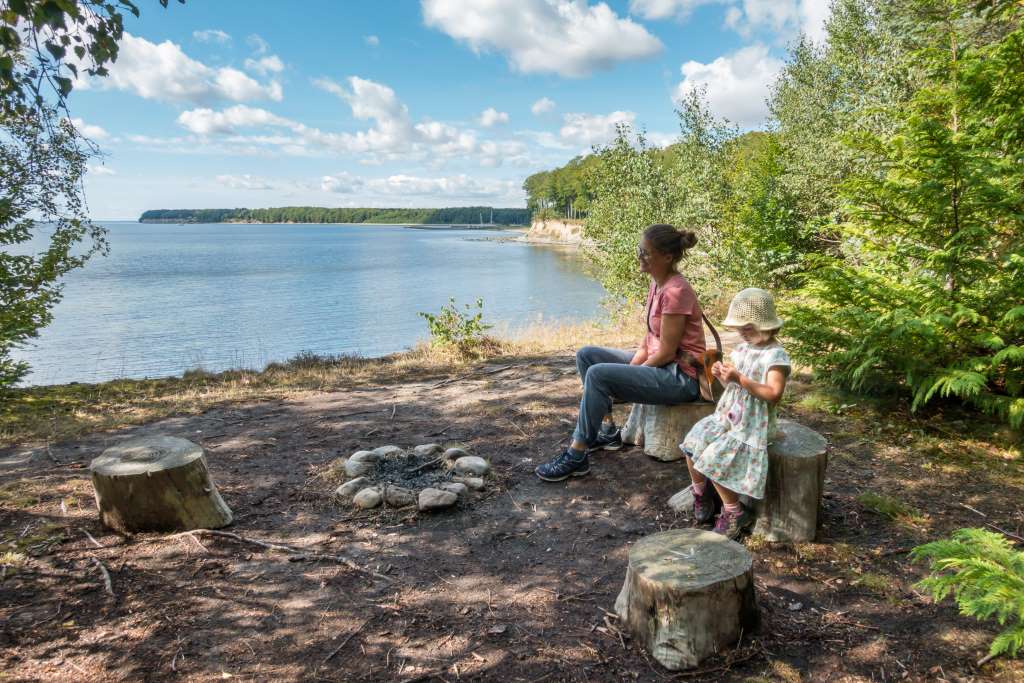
[427, 476]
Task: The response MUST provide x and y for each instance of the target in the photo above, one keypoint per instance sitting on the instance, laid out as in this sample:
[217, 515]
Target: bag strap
[708, 383]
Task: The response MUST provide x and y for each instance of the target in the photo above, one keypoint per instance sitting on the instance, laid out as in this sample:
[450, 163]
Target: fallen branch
[107, 584]
[493, 371]
[340, 559]
[986, 659]
[94, 541]
[425, 465]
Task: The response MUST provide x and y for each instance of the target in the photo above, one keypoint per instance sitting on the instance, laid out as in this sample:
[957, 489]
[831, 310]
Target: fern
[985, 575]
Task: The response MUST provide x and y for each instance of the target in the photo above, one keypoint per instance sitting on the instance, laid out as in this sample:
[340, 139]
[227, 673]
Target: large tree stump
[660, 429]
[688, 594]
[797, 458]
[156, 483]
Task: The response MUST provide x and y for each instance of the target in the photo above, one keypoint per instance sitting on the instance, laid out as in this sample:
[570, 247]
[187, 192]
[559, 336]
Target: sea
[170, 298]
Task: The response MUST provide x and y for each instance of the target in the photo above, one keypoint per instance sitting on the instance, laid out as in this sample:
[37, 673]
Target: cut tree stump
[156, 483]
[660, 429]
[797, 458]
[688, 594]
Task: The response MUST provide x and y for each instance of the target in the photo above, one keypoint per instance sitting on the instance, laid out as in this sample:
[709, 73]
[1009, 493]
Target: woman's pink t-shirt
[676, 298]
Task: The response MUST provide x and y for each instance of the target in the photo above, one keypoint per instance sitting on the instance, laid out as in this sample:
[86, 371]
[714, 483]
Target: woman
[661, 371]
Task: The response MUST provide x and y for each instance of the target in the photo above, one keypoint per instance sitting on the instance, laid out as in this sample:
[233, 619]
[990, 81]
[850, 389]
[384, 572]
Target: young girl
[730, 446]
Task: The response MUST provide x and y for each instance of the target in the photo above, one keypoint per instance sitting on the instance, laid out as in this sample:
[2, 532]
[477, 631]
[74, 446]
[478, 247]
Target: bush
[453, 329]
[985, 575]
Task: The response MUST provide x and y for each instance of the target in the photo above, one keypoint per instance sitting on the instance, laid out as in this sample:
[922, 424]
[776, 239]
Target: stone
[471, 464]
[436, 499]
[351, 487]
[475, 483]
[682, 502]
[427, 450]
[338, 465]
[398, 497]
[660, 429]
[358, 468]
[458, 488]
[364, 456]
[389, 451]
[367, 498]
[455, 454]
[688, 595]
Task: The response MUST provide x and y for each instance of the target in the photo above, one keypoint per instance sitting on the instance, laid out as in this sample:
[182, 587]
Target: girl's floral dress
[730, 446]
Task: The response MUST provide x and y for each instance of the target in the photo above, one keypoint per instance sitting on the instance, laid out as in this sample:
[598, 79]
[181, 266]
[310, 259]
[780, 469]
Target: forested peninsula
[464, 215]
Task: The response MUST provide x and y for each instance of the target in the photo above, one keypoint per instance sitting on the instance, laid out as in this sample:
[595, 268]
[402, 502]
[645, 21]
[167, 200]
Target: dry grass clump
[59, 412]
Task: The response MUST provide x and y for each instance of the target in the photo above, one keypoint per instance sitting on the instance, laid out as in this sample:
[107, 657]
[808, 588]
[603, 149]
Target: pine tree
[927, 290]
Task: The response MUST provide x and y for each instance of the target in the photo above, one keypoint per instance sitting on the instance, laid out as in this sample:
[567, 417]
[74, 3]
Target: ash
[396, 472]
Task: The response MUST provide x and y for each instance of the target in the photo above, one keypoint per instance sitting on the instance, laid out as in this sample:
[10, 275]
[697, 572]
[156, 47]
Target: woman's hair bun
[688, 239]
[670, 240]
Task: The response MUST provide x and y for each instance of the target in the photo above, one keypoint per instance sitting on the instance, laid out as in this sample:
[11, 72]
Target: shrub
[454, 329]
[985, 575]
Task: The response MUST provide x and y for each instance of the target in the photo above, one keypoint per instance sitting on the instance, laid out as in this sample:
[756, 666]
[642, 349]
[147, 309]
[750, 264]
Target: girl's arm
[771, 391]
[641, 355]
[671, 332]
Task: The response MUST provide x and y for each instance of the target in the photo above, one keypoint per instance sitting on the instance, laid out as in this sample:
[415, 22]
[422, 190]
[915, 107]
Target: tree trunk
[688, 594]
[797, 459]
[660, 429]
[156, 483]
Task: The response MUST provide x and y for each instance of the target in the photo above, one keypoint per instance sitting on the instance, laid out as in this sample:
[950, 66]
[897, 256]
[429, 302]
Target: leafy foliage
[985, 575]
[458, 330]
[930, 270]
[42, 167]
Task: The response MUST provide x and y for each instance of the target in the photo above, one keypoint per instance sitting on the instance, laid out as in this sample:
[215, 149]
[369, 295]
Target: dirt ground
[515, 586]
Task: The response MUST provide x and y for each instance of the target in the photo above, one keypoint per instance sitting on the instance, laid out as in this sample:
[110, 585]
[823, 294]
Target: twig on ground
[94, 541]
[107, 584]
[394, 409]
[344, 643]
[425, 465]
[1006, 533]
[441, 432]
[289, 549]
[975, 511]
[493, 371]
[986, 659]
[344, 415]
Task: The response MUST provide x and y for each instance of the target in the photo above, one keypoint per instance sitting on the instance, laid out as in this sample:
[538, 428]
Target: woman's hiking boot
[566, 464]
[733, 524]
[707, 504]
[608, 439]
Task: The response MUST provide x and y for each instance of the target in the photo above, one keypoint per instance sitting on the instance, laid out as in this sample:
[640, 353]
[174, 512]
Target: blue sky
[242, 103]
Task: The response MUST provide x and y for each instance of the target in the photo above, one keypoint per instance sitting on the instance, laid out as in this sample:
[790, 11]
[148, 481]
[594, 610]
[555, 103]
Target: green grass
[892, 508]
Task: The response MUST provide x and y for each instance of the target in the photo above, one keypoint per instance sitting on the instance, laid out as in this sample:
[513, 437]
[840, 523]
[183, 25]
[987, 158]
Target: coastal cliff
[559, 231]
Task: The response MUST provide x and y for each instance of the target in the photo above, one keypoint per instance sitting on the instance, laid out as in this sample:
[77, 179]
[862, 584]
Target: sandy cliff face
[560, 231]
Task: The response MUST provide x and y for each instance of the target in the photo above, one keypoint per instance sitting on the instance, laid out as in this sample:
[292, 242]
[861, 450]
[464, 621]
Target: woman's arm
[672, 327]
[771, 391]
[641, 354]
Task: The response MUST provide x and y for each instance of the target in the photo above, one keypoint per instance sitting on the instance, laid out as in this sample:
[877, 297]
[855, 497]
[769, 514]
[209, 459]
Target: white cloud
[265, 65]
[208, 121]
[342, 183]
[569, 37]
[95, 133]
[737, 84]
[784, 18]
[101, 170]
[372, 41]
[491, 116]
[443, 188]
[259, 46]
[164, 72]
[542, 106]
[664, 9]
[211, 35]
[593, 129]
[244, 182]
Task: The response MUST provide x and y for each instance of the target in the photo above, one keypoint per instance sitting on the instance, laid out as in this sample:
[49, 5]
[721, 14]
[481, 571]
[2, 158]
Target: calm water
[169, 297]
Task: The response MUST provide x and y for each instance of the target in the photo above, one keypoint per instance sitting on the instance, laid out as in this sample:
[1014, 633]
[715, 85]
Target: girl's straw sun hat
[755, 307]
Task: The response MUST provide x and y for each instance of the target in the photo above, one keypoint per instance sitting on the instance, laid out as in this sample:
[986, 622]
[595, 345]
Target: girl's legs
[698, 479]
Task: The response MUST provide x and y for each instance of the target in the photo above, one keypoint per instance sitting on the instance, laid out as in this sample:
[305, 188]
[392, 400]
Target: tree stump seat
[688, 594]
[660, 429]
[790, 509]
[156, 483]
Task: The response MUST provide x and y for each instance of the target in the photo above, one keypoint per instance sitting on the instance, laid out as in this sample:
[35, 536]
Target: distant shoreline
[411, 226]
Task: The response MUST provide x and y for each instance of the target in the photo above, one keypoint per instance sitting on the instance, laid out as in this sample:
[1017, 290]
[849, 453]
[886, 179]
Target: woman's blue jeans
[607, 375]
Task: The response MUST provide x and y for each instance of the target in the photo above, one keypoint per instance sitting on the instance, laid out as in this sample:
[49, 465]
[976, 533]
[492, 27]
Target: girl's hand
[727, 372]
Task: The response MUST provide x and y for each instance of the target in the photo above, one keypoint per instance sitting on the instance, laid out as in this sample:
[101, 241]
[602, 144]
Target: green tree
[44, 46]
[926, 289]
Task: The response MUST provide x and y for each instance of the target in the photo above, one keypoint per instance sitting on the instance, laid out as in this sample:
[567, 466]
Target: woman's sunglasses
[642, 254]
